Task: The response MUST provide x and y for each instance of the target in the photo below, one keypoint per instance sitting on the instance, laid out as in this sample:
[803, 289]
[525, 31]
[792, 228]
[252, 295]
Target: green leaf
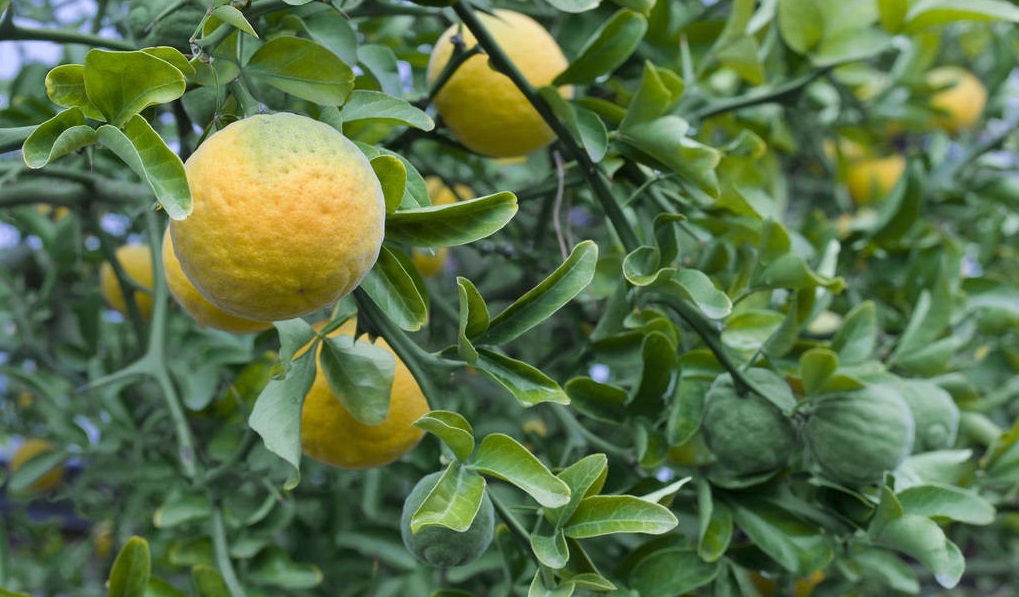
[900, 211]
[922, 539]
[583, 123]
[641, 267]
[659, 91]
[575, 6]
[294, 335]
[452, 428]
[451, 225]
[658, 368]
[794, 544]
[584, 477]
[393, 177]
[360, 374]
[230, 15]
[302, 68]
[208, 582]
[274, 568]
[928, 13]
[856, 341]
[13, 138]
[671, 571]
[947, 501]
[665, 140]
[597, 400]
[380, 107]
[889, 568]
[527, 384]
[181, 509]
[551, 550]
[542, 301]
[538, 588]
[801, 24]
[58, 136]
[122, 84]
[599, 515]
[145, 152]
[502, 456]
[130, 573]
[607, 49]
[715, 530]
[381, 62]
[331, 29]
[742, 55]
[276, 416]
[393, 289]
[817, 365]
[695, 286]
[174, 57]
[893, 14]
[453, 502]
[65, 86]
[473, 318]
[848, 45]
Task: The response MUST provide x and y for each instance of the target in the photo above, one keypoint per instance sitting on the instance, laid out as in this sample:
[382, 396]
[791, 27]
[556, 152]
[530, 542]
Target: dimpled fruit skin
[483, 108]
[331, 435]
[288, 217]
[431, 264]
[196, 305]
[747, 434]
[962, 103]
[935, 414]
[137, 263]
[440, 546]
[33, 447]
[855, 437]
[868, 179]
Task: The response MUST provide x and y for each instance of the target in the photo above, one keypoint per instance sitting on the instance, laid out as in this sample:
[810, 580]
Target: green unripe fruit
[855, 437]
[935, 414]
[440, 546]
[151, 25]
[747, 434]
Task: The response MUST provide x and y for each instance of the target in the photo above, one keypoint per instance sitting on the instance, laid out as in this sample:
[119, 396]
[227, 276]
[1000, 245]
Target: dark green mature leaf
[276, 416]
[392, 288]
[331, 29]
[696, 287]
[13, 138]
[130, 573]
[58, 136]
[145, 152]
[452, 428]
[453, 502]
[527, 384]
[502, 456]
[65, 85]
[597, 400]
[473, 318]
[801, 24]
[182, 509]
[671, 571]
[817, 365]
[451, 225]
[121, 84]
[583, 123]
[606, 49]
[794, 544]
[303, 69]
[274, 568]
[585, 477]
[208, 582]
[542, 301]
[392, 176]
[294, 335]
[381, 107]
[360, 374]
[608, 514]
[715, 529]
[900, 211]
[381, 62]
[658, 368]
[928, 13]
[947, 501]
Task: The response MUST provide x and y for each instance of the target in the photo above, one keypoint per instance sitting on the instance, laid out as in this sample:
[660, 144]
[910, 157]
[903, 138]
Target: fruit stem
[11, 32]
[222, 552]
[594, 175]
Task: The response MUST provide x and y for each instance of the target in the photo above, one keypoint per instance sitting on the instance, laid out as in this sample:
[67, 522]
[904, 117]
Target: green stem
[222, 553]
[783, 92]
[511, 521]
[588, 436]
[592, 173]
[12, 32]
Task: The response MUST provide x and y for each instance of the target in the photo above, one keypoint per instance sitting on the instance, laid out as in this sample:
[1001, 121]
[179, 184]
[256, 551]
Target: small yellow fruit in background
[869, 179]
[33, 447]
[136, 260]
[288, 216]
[962, 101]
[331, 435]
[196, 305]
[482, 107]
[431, 264]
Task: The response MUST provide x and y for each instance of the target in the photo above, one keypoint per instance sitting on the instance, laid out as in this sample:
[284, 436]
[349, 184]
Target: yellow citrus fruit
[431, 264]
[869, 179]
[33, 447]
[199, 307]
[137, 263]
[288, 216]
[962, 101]
[482, 107]
[331, 435]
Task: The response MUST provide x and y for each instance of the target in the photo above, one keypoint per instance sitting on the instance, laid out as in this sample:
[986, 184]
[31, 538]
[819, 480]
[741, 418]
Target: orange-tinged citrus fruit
[32, 448]
[962, 100]
[136, 260]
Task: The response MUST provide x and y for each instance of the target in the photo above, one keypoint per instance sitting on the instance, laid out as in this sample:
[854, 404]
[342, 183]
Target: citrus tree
[643, 298]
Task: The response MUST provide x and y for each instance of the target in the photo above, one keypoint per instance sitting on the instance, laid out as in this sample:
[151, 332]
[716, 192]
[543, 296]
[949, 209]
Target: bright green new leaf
[551, 550]
[360, 374]
[392, 287]
[641, 266]
[303, 69]
[608, 514]
[583, 123]
[659, 91]
[848, 45]
[473, 319]
[65, 86]
[453, 502]
[130, 573]
[145, 152]
[276, 416]
[121, 84]
[928, 13]
[393, 177]
[451, 225]
[527, 384]
[665, 142]
[801, 24]
[606, 49]
[208, 582]
[584, 477]
[174, 57]
[502, 456]
[742, 55]
[58, 136]
[893, 14]
[671, 571]
[381, 107]
[817, 365]
[452, 428]
[542, 301]
[230, 15]
[695, 286]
